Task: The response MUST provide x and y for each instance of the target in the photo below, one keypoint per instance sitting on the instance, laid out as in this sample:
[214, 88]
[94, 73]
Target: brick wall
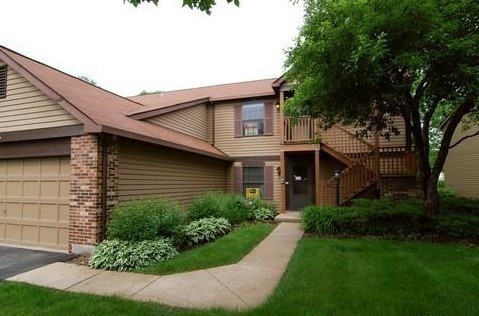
[86, 227]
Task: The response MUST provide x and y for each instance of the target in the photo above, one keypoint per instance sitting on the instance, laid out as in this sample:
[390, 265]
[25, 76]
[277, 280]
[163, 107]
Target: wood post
[317, 180]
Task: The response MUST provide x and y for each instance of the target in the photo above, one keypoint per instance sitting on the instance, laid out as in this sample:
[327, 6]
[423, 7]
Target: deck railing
[300, 130]
[397, 161]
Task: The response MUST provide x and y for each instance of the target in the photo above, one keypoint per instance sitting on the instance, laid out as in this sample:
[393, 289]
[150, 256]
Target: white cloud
[126, 49]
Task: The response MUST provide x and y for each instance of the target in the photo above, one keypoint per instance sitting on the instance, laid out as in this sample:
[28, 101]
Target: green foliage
[444, 191]
[234, 208]
[125, 256]
[460, 226]
[263, 214]
[205, 230]
[460, 220]
[202, 5]
[145, 219]
[412, 58]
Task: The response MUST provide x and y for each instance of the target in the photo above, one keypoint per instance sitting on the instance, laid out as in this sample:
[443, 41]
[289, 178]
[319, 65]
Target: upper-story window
[253, 118]
[3, 82]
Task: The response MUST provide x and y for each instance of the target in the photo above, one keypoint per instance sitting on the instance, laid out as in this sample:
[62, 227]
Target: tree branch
[463, 139]
[421, 88]
[454, 121]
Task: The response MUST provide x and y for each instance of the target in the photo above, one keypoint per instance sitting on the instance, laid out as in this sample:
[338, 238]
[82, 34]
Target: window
[253, 118]
[253, 178]
[3, 82]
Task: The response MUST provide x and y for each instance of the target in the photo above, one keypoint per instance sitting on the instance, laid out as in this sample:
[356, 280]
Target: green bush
[234, 208]
[125, 255]
[458, 205]
[145, 219]
[386, 218]
[367, 217]
[458, 226]
[205, 230]
[263, 214]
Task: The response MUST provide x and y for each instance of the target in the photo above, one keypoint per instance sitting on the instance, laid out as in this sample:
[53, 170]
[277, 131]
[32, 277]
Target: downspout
[104, 185]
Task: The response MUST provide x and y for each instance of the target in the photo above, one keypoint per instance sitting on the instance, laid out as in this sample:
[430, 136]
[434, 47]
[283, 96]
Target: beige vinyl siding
[192, 121]
[277, 182]
[26, 107]
[394, 141]
[146, 171]
[461, 170]
[250, 146]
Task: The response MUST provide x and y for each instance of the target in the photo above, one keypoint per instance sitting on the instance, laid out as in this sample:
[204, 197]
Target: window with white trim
[253, 118]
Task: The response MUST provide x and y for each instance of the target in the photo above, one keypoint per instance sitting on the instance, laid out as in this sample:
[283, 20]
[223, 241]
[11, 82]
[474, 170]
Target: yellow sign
[252, 193]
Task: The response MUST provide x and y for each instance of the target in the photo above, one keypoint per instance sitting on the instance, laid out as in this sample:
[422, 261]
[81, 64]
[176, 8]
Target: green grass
[325, 277]
[225, 250]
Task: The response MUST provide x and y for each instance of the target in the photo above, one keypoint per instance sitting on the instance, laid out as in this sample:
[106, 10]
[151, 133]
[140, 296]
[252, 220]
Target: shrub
[385, 218]
[145, 219]
[234, 208]
[322, 219]
[125, 255]
[366, 217]
[458, 205]
[205, 229]
[460, 226]
[263, 214]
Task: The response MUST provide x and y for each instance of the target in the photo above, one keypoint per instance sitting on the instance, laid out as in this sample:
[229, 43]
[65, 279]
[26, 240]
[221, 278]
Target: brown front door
[300, 181]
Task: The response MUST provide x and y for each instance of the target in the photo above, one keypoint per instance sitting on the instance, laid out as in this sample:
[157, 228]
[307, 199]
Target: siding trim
[29, 149]
[43, 133]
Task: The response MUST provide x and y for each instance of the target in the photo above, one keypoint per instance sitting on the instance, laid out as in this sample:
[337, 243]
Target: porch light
[277, 106]
[278, 171]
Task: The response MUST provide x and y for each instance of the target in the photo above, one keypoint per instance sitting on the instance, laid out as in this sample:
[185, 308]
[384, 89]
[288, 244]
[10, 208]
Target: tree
[202, 5]
[88, 79]
[362, 61]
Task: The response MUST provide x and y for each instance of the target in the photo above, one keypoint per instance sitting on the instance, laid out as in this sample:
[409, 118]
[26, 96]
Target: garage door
[34, 201]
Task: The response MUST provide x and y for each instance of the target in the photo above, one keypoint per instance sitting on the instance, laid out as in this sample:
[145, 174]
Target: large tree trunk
[431, 198]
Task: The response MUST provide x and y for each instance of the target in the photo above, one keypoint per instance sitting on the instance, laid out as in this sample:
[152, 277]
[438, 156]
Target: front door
[300, 182]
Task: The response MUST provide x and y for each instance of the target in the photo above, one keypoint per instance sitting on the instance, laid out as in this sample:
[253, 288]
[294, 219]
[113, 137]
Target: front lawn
[225, 250]
[325, 277]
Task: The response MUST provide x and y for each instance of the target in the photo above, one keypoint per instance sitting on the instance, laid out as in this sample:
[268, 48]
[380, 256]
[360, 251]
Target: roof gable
[100, 110]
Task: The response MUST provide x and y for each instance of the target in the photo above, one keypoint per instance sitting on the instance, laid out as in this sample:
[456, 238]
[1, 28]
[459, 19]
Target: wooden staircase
[362, 165]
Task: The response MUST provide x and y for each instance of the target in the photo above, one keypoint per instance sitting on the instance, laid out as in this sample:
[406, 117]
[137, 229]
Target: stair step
[288, 217]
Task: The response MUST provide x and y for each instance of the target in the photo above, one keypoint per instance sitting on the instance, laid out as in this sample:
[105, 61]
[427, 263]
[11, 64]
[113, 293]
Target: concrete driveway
[16, 260]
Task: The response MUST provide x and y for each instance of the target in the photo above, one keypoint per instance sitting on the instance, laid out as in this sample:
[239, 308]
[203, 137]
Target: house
[69, 151]
[461, 169]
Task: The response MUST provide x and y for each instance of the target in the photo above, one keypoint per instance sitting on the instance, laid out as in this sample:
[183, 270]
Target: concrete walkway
[242, 285]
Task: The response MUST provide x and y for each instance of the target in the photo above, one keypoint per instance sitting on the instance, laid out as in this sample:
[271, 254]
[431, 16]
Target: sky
[127, 50]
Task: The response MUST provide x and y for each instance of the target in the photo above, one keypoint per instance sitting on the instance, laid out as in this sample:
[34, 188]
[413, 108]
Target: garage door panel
[49, 189]
[34, 201]
[13, 210]
[63, 213]
[31, 188]
[49, 212]
[14, 167]
[29, 233]
[13, 232]
[31, 167]
[31, 211]
[14, 188]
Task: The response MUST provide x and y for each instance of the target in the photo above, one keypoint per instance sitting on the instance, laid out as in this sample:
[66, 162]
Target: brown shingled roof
[100, 110]
[231, 91]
